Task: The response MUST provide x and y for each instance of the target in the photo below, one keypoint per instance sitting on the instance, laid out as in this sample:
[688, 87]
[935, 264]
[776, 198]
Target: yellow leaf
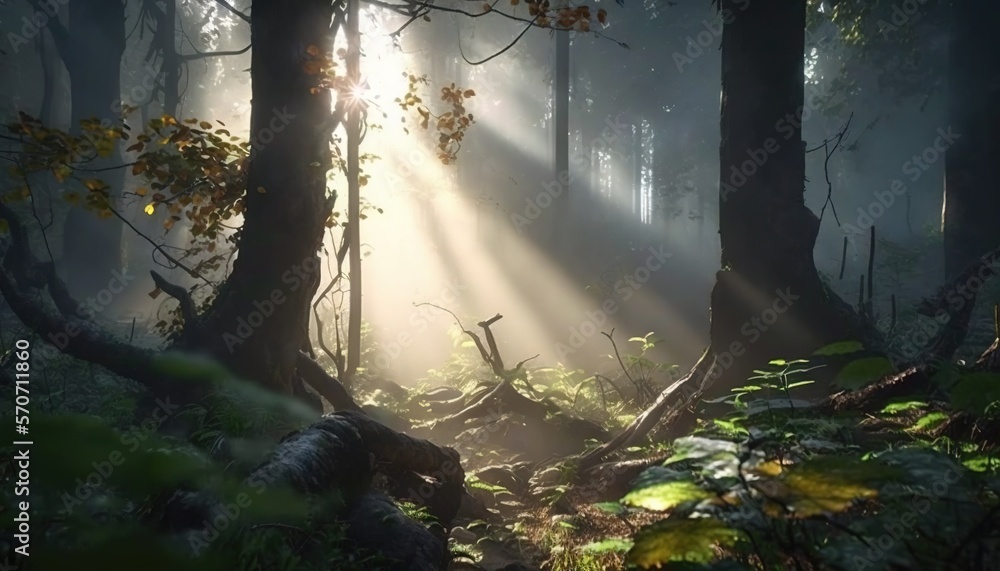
[141, 191]
[205, 125]
[261, 190]
[149, 209]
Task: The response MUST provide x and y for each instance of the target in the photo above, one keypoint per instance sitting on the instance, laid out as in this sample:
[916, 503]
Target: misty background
[640, 251]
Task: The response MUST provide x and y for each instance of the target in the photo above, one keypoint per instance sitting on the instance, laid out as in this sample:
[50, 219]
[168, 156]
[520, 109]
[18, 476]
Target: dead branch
[692, 385]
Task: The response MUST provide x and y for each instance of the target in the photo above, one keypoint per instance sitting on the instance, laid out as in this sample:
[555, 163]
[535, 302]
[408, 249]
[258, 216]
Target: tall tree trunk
[971, 196]
[558, 221]
[50, 79]
[768, 301]
[92, 51]
[171, 60]
[354, 193]
[259, 320]
[636, 187]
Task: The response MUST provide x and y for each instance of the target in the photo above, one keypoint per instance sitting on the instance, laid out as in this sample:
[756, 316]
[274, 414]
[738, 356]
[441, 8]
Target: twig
[843, 259]
[639, 390]
[871, 270]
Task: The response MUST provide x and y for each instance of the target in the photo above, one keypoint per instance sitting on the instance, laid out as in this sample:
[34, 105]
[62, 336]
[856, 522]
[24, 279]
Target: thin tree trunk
[354, 195]
[171, 59]
[559, 222]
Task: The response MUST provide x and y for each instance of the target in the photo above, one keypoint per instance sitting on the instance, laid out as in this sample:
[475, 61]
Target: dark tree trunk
[971, 197]
[171, 59]
[259, 321]
[92, 50]
[768, 301]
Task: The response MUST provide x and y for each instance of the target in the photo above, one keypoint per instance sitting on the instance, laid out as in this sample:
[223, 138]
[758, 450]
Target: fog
[636, 249]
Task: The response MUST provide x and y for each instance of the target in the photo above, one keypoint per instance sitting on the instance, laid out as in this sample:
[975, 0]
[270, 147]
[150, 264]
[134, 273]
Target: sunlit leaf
[612, 545]
[666, 495]
[930, 421]
[829, 484]
[679, 540]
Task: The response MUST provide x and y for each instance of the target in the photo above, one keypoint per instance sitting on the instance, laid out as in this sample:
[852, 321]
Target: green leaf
[975, 392]
[679, 540]
[930, 421]
[800, 384]
[857, 374]
[697, 447]
[898, 407]
[611, 508]
[72, 449]
[120, 549]
[840, 348]
[831, 484]
[611, 545]
[665, 495]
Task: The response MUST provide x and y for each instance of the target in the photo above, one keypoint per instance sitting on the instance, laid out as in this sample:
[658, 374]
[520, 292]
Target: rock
[503, 475]
[462, 535]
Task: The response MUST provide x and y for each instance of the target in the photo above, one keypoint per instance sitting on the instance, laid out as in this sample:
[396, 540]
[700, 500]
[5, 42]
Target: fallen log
[338, 457]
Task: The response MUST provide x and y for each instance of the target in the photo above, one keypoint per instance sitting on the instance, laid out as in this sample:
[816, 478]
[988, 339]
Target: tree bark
[92, 48]
[341, 454]
[259, 321]
[768, 301]
[971, 197]
[354, 194]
